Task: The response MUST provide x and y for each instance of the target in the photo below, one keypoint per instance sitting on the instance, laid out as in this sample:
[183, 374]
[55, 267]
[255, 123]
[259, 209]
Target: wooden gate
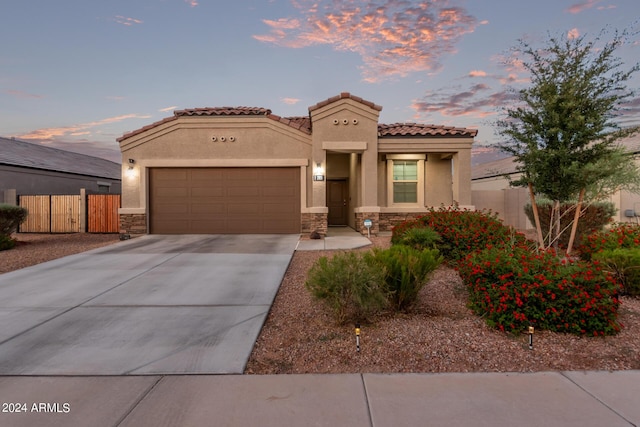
[102, 213]
[39, 217]
[65, 214]
[51, 214]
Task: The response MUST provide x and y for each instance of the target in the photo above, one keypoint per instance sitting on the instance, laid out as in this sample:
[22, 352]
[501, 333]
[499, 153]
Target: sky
[77, 74]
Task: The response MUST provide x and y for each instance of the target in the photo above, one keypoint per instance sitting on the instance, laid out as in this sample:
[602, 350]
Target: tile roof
[417, 129]
[344, 95]
[14, 152]
[301, 123]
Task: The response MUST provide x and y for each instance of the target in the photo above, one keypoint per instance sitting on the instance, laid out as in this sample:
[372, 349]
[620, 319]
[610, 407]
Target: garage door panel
[224, 200]
[207, 192]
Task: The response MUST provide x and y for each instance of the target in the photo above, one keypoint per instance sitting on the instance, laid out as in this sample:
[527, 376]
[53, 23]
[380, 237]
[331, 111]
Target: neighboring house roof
[14, 152]
[303, 123]
[507, 166]
[502, 167]
[417, 129]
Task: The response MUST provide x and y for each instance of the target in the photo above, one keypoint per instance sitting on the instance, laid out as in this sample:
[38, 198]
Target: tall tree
[565, 123]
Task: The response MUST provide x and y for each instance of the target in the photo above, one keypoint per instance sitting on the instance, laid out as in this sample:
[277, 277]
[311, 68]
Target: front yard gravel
[440, 335]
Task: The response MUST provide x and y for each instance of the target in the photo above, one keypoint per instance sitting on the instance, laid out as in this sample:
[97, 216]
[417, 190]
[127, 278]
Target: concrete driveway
[152, 305]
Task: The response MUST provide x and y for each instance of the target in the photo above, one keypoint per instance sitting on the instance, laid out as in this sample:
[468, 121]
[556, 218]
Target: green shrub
[406, 271]
[461, 231]
[622, 235]
[6, 242]
[351, 286]
[624, 264]
[594, 218]
[515, 288]
[420, 238]
[10, 218]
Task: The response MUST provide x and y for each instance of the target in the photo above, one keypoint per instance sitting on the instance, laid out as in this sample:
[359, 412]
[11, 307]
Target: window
[104, 187]
[405, 181]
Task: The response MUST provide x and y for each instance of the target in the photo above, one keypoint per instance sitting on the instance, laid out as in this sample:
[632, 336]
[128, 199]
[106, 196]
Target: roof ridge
[344, 95]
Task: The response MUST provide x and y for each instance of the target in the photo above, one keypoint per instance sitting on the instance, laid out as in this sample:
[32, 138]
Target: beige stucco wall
[438, 188]
[347, 126]
[189, 141]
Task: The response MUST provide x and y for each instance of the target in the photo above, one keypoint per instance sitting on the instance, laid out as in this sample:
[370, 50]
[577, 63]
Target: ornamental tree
[563, 133]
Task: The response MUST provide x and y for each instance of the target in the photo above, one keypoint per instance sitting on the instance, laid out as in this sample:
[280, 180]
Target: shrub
[10, 218]
[462, 231]
[420, 238]
[624, 264]
[594, 218]
[516, 288]
[406, 271]
[351, 286]
[6, 242]
[622, 235]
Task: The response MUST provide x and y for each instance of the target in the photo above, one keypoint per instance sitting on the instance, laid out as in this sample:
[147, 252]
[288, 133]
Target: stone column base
[389, 220]
[314, 222]
[133, 224]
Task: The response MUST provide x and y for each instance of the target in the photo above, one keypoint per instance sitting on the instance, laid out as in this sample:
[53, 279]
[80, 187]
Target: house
[247, 170]
[491, 190]
[28, 169]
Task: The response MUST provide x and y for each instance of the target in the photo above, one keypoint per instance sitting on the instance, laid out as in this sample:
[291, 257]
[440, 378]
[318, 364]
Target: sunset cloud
[192, 3]
[79, 129]
[582, 6]
[290, 101]
[479, 101]
[393, 38]
[22, 95]
[477, 73]
[123, 20]
[167, 109]
[573, 34]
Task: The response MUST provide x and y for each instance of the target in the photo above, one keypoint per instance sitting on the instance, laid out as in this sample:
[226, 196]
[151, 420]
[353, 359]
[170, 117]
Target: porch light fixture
[130, 171]
[318, 172]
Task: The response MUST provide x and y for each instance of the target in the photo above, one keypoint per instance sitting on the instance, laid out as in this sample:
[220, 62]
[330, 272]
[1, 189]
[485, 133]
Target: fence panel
[65, 214]
[39, 218]
[102, 213]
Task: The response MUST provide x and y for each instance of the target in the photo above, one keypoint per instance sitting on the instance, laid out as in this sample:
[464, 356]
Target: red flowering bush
[514, 288]
[461, 231]
[622, 235]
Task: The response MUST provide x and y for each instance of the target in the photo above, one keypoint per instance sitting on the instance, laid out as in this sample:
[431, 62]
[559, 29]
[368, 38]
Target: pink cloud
[477, 73]
[573, 34]
[22, 94]
[127, 21]
[393, 38]
[290, 101]
[582, 6]
[78, 129]
[167, 109]
[192, 3]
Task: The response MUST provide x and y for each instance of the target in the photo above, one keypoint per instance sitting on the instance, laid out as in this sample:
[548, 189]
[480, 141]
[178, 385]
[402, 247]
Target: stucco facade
[345, 161]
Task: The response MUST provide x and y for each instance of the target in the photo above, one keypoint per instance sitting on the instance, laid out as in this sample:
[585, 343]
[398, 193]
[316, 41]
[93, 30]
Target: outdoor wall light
[318, 172]
[131, 171]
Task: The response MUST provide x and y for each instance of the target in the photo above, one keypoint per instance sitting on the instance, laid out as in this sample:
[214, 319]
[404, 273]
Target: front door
[338, 201]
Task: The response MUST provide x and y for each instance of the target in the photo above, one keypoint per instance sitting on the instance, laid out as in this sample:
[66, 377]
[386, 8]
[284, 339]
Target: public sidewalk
[580, 399]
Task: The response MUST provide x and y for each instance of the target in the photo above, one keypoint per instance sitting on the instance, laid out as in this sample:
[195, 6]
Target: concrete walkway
[336, 238]
[591, 399]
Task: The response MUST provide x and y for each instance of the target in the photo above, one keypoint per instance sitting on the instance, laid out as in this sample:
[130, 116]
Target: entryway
[338, 202]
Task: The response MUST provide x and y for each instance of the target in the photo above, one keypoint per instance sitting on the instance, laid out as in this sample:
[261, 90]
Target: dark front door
[338, 201]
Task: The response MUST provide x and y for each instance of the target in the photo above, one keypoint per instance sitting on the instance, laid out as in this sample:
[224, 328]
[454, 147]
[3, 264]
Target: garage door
[224, 200]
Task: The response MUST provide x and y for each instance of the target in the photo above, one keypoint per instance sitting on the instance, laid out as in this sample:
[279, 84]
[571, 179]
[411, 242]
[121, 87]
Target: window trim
[420, 158]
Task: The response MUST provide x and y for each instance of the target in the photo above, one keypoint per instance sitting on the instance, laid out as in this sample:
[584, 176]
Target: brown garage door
[224, 200]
